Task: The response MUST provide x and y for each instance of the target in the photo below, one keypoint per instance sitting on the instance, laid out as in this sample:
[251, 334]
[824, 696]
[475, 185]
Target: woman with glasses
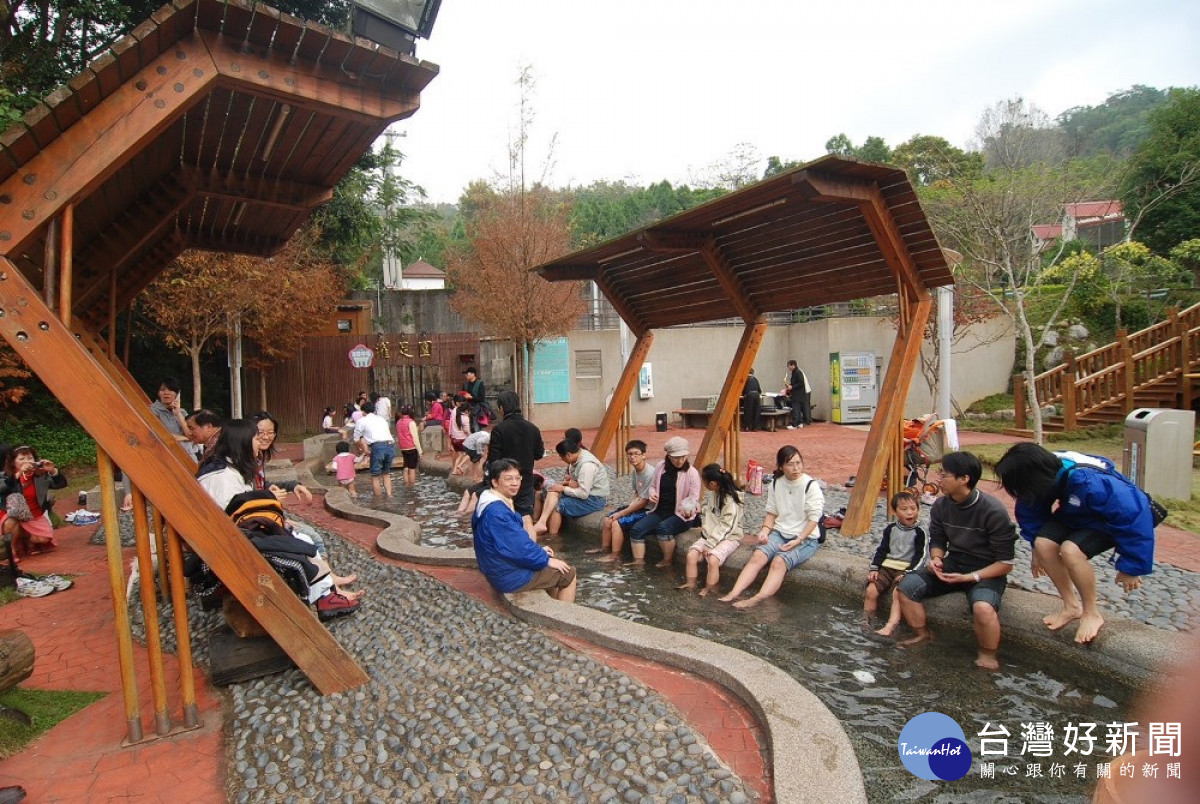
[234, 468]
[790, 532]
[266, 429]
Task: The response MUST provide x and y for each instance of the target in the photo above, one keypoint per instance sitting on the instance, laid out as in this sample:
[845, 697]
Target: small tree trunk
[16, 658]
[194, 354]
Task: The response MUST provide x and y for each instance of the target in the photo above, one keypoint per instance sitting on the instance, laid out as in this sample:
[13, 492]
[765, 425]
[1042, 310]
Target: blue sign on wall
[551, 372]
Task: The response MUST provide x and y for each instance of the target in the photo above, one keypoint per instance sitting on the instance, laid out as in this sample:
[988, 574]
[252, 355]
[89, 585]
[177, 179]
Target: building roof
[423, 270]
[212, 125]
[1094, 211]
[1047, 231]
[831, 230]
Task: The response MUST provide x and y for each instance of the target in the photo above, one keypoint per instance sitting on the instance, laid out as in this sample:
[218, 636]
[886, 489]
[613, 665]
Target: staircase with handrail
[1153, 367]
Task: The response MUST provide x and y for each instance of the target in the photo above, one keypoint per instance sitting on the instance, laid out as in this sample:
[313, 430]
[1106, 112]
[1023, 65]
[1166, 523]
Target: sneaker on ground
[58, 582]
[27, 587]
[334, 605]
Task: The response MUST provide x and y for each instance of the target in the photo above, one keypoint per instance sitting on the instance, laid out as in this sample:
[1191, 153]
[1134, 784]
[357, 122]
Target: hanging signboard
[361, 356]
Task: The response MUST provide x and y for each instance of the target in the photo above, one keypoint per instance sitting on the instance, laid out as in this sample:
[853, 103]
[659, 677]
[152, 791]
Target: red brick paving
[82, 759]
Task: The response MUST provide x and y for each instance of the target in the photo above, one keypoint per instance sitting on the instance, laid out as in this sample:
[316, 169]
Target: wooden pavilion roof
[831, 230]
[214, 124]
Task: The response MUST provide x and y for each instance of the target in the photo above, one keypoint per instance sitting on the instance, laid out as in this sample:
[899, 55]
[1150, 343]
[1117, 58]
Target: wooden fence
[405, 366]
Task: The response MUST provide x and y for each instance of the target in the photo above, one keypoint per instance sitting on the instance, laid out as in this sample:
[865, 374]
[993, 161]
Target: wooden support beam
[866, 194]
[723, 271]
[881, 439]
[255, 189]
[104, 140]
[725, 413]
[620, 398]
[117, 424]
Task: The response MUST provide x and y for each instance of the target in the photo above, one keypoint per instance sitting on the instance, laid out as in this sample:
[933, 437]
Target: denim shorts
[923, 583]
[382, 455]
[791, 558]
[573, 506]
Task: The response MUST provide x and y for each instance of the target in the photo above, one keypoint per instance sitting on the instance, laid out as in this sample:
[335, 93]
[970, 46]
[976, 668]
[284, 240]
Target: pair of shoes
[27, 587]
[334, 605]
[59, 583]
[791, 427]
[833, 521]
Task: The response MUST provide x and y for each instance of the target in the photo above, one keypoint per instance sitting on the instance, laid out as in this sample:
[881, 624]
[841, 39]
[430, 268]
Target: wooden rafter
[102, 142]
[257, 189]
[723, 271]
[821, 187]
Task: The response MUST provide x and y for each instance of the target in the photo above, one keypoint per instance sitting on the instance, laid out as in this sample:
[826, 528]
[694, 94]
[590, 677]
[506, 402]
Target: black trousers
[751, 407]
[801, 407]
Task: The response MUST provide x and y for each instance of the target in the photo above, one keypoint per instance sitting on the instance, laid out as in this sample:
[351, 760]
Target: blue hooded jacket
[506, 555]
[1093, 494]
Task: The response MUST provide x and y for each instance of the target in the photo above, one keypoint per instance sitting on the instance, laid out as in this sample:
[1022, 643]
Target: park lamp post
[395, 23]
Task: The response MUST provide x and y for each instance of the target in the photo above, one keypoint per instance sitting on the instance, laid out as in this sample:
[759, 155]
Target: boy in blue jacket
[507, 555]
[1097, 509]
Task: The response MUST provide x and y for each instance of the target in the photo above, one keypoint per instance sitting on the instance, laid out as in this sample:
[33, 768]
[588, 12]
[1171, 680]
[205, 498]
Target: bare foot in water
[636, 563]
[611, 558]
[704, 592]
[748, 603]
[686, 585]
[663, 564]
[727, 598]
[1089, 626]
[1058, 619]
[987, 660]
[539, 528]
[886, 631]
[593, 551]
[922, 636]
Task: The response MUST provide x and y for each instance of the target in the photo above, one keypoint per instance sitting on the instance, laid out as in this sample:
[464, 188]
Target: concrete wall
[415, 311]
[693, 362]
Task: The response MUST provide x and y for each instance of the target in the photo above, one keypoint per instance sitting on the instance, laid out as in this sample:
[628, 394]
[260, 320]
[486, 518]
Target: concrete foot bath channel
[1027, 718]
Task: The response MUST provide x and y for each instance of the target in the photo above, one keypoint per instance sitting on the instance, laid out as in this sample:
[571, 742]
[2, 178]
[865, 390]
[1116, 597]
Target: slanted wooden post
[723, 417]
[881, 440]
[621, 394]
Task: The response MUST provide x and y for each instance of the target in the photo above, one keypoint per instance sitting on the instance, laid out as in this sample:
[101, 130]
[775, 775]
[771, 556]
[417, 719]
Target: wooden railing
[1108, 378]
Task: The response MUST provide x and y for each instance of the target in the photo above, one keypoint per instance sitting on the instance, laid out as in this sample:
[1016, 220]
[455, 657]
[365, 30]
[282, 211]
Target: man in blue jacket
[508, 556]
[1097, 509]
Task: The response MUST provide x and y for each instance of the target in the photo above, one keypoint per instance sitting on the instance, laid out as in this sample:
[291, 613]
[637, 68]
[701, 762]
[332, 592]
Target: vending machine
[854, 383]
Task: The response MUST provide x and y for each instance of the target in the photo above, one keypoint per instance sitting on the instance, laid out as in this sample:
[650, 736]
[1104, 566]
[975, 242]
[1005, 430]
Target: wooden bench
[691, 418]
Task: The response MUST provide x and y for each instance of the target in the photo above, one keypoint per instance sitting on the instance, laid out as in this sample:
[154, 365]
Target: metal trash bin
[660, 421]
[1158, 451]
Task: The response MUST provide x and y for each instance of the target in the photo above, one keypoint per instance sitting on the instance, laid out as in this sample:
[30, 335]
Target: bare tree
[990, 220]
[509, 233]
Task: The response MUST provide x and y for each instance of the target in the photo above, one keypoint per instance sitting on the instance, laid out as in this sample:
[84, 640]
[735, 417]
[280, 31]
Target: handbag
[18, 507]
[754, 477]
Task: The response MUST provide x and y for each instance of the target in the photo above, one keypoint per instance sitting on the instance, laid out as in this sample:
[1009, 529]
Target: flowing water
[873, 687]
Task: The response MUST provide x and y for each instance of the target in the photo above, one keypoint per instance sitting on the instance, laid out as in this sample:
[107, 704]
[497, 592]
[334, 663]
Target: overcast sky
[644, 90]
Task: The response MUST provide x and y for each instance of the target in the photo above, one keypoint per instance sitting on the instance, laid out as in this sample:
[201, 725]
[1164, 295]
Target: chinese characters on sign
[404, 347]
[1040, 740]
